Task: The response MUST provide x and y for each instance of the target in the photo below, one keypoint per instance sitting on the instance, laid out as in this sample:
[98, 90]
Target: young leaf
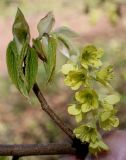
[73, 50]
[66, 31]
[21, 58]
[20, 30]
[51, 58]
[63, 49]
[45, 25]
[13, 68]
[39, 49]
[31, 68]
[12, 59]
[22, 86]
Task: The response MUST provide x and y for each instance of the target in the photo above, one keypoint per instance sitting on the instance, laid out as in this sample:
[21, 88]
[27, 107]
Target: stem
[50, 112]
[19, 150]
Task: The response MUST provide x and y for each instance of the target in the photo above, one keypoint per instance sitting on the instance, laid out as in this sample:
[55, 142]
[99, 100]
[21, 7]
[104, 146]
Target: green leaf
[62, 49]
[21, 58]
[70, 45]
[74, 109]
[31, 68]
[51, 58]
[66, 31]
[45, 25]
[13, 68]
[112, 99]
[39, 49]
[20, 30]
[12, 59]
[22, 86]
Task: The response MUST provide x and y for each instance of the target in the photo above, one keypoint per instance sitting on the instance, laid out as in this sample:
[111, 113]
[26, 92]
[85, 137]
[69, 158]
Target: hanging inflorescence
[92, 110]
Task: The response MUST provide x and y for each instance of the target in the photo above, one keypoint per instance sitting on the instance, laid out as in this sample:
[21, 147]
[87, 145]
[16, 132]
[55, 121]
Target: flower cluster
[91, 108]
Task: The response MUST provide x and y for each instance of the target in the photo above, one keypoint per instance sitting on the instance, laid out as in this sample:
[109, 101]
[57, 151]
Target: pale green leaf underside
[45, 25]
[66, 31]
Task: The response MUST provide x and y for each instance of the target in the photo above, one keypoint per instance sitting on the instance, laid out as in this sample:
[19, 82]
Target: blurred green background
[101, 22]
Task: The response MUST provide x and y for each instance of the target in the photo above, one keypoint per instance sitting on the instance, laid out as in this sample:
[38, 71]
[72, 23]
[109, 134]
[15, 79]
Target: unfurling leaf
[73, 50]
[63, 49]
[13, 68]
[51, 58]
[45, 25]
[66, 31]
[39, 49]
[31, 68]
[20, 30]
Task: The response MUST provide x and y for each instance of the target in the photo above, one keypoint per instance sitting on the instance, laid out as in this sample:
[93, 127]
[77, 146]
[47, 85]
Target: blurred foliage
[111, 8]
[3, 158]
[40, 6]
[115, 54]
[9, 2]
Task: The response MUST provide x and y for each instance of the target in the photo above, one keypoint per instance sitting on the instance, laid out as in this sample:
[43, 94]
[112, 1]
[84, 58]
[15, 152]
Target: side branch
[51, 113]
[19, 150]
[15, 157]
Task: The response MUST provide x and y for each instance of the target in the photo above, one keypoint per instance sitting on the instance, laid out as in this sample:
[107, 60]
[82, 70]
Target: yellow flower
[90, 56]
[88, 98]
[76, 78]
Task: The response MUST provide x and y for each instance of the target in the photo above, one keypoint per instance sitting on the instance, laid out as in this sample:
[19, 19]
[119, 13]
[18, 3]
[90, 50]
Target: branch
[81, 148]
[51, 113]
[18, 150]
[15, 158]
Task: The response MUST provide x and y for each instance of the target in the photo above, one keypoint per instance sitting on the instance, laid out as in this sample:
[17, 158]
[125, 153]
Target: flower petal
[73, 109]
[66, 68]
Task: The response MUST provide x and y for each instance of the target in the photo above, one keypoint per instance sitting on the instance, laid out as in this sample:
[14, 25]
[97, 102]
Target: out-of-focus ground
[24, 122]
